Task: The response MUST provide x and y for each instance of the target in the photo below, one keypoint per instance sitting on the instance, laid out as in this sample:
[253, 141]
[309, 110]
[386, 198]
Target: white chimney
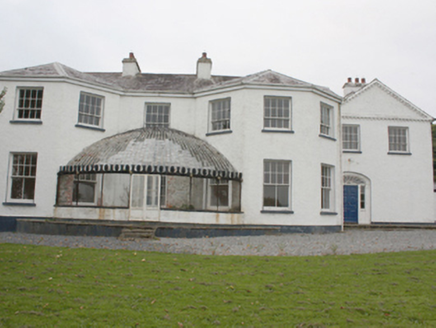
[351, 87]
[130, 66]
[204, 67]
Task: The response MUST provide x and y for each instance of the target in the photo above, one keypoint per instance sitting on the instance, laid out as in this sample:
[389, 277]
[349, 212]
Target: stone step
[137, 233]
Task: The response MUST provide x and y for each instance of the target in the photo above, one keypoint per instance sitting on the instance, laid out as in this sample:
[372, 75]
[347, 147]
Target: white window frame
[219, 115]
[277, 179]
[157, 116]
[211, 183]
[327, 188]
[398, 143]
[33, 105]
[21, 171]
[90, 111]
[326, 120]
[277, 112]
[351, 137]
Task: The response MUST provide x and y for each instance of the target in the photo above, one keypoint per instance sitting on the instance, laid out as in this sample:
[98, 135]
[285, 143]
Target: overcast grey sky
[321, 42]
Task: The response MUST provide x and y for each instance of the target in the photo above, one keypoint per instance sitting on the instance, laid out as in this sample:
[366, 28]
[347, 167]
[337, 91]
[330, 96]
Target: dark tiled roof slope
[166, 83]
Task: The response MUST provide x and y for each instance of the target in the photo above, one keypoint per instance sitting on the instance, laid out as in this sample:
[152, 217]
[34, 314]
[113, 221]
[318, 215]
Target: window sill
[36, 122]
[90, 127]
[218, 132]
[277, 131]
[398, 153]
[328, 213]
[277, 212]
[327, 137]
[352, 151]
[18, 204]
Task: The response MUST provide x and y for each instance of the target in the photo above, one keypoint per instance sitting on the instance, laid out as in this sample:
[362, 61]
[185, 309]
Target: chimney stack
[204, 67]
[130, 66]
[351, 87]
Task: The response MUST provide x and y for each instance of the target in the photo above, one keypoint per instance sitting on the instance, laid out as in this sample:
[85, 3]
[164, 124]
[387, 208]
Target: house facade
[261, 150]
[387, 156]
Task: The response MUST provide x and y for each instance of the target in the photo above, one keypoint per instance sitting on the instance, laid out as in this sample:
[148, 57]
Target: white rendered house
[387, 156]
[264, 150]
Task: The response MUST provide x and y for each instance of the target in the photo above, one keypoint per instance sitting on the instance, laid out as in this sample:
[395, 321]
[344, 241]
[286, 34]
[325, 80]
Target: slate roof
[166, 83]
[153, 150]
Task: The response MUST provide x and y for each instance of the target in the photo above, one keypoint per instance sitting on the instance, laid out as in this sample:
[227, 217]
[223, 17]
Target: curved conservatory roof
[156, 150]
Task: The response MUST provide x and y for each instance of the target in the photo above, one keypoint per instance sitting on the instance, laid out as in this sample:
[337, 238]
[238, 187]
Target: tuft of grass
[63, 287]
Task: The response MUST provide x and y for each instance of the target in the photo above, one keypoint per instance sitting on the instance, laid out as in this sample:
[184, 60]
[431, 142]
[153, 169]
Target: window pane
[17, 188]
[269, 197]
[282, 196]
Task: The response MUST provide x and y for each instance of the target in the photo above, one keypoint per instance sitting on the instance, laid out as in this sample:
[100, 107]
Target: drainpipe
[240, 195]
[341, 189]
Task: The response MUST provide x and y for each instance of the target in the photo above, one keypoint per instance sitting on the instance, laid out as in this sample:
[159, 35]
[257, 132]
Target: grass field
[61, 287]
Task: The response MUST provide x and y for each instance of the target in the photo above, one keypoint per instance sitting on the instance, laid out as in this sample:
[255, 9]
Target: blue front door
[351, 204]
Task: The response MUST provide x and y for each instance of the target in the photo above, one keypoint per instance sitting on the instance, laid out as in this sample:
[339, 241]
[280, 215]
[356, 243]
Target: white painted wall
[247, 147]
[401, 185]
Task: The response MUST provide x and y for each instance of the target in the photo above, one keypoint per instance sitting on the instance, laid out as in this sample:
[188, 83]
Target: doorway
[145, 197]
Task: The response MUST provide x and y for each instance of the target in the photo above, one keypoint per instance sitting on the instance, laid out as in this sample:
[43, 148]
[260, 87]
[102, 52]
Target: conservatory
[150, 174]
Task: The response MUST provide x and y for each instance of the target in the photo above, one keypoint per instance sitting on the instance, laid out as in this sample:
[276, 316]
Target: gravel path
[349, 242]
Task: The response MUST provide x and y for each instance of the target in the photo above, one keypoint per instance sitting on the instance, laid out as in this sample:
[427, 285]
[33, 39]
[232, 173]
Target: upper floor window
[23, 177]
[398, 139]
[326, 125]
[157, 114]
[351, 137]
[327, 191]
[220, 115]
[29, 103]
[277, 113]
[276, 185]
[90, 109]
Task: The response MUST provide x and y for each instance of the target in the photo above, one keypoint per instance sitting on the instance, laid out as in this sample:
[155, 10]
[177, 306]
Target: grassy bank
[48, 286]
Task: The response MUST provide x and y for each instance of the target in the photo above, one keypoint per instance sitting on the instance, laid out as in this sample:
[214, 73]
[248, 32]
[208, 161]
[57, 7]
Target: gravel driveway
[349, 242]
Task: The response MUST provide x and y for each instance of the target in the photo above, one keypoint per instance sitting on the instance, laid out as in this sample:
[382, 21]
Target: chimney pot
[204, 55]
[356, 80]
[363, 80]
[350, 80]
[131, 55]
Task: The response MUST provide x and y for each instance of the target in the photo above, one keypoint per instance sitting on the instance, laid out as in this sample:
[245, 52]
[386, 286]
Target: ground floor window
[276, 184]
[84, 188]
[148, 191]
[326, 187]
[23, 177]
[362, 197]
[219, 193]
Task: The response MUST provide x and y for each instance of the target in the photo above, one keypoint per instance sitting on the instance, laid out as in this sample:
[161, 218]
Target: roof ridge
[60, 69]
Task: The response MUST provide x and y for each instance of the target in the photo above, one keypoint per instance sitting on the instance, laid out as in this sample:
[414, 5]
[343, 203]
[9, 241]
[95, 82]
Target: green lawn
[52, 286]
